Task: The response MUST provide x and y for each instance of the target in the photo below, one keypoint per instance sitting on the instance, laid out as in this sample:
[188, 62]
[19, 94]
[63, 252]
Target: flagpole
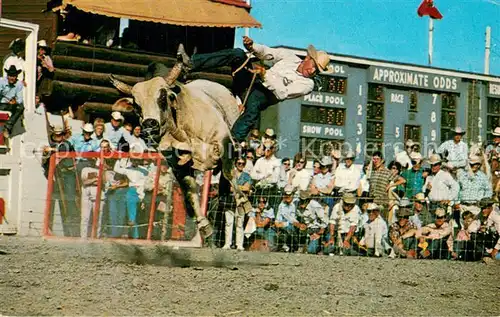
[431, 30]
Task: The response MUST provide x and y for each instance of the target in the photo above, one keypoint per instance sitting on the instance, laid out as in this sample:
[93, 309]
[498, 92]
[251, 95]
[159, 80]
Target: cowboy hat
[12, 71]
[459, 130]
[269, 134]
[58, 129]
[326, 161]
[420, 197]
[474, 160]
[486, 202]
[88, 127]
[304, 195]
[349, 154]
[496, 132]
[349, 198]
[117, 116]
[403, 212]
[440, 213]
[435, 159]
[320, 58]
[415, 156]
[373, 206]
[17, 45]
[43, 44]
[288, 190]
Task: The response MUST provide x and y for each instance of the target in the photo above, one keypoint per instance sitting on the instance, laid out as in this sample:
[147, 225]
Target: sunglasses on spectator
[441, 217]
[404, 217]
[414, 162]
[475, 164]
[262, 201]
[394, 168]
[348, 205]
[302, 161]
[286, 163]
[240, 163]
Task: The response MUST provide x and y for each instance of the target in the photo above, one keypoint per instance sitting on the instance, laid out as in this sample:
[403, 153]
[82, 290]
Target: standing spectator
[15, 58]
[441, 187]
[114, 131]
[316, 167]
[403, 157]
[432, 238]
[455, 151]
[64, 183]
[136, 140]
[380, 180]
[250, 156]
[85, 143]
[343, 224]
[376, 233]
[253, 139]
[98, 134]
[488, 233]
[364, 184]
[89, 177]
[263, 216]
[347, 175]
[322, 183]
[493, 150]
[286, 223]
[299, 176]
[336, 156]
[414, 180]
[315, 218]
[474, 186]
[402, 234]
[284, 173]
[11, 98]
[266, 173]
[244, 183]
[45, 69]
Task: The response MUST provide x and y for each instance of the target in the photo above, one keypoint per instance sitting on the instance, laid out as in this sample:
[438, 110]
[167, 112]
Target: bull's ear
[176, 89]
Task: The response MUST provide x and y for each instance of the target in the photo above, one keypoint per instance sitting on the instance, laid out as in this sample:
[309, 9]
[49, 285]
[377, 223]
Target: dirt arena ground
[40, 277]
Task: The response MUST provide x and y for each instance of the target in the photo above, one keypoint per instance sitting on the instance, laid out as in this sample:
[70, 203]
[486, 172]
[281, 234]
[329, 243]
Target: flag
[427, 8]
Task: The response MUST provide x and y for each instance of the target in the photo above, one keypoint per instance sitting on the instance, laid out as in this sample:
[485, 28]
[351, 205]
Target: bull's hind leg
[185, 176]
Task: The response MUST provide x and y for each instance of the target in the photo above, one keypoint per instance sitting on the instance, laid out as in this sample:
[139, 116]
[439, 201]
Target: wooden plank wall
[27, 11]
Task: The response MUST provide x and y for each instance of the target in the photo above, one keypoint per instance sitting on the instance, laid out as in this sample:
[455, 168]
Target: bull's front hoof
[205, 228]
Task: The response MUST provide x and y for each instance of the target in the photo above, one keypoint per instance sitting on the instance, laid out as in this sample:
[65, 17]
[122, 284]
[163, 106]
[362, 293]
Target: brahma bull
[190, 124]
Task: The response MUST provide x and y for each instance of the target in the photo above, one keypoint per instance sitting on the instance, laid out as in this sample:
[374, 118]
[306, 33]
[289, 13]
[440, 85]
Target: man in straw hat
[474, 186]
[347, 175]
[288, 76]
[494, 149]
[11, 98]
[440, 186]
[402, 234]
[455, 151]
[433, 237]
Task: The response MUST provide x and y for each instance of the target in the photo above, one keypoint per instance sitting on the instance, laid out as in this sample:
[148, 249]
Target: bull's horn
[173, 74]
[121, 86]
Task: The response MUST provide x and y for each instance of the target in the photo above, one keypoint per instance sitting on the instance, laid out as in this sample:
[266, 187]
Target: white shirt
[457, 153]
[314, 215]
[376, 233]
[343, 220]
[444, 187]
[404, 159]
[282, 78]
[266, 171]
[346, 178]
[301, 179]
[136, 176]
[321, 180]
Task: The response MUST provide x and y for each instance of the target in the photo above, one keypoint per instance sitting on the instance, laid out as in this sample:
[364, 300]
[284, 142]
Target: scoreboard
[368, 105]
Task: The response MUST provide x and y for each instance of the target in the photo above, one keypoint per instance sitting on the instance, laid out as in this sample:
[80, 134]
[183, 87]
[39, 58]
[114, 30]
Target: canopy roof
[203, 13]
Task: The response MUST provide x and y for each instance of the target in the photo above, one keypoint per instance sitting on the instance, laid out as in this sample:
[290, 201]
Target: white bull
[190, 124]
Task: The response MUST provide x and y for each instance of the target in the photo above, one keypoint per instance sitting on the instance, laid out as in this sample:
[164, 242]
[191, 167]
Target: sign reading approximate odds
[402, 77]
[322, 131]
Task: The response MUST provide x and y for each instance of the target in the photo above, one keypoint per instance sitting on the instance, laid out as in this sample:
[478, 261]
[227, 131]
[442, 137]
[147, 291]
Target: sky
[389, 30]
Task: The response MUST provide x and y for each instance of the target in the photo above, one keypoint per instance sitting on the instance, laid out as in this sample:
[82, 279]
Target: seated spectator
[347, 175]
[375, 238]
[263, 216]
[284, 173]
[128, 127]
[343, 225]
[474, 186]
[316, 167]
[414, 179]
[315, 218]
[299, 176]
[250, 156]
[421, 216]
[464, 246]
[114, 131]
[15, 58]
[244, 182]
[488, 233]
[402, 234]
[39, 106]
[286, 223]
[432, 238]
[11, 98]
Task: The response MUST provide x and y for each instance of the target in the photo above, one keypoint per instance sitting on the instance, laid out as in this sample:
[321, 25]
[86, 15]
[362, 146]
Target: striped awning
[203, 13]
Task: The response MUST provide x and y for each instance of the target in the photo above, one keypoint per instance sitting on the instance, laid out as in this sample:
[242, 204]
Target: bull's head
[155, 101]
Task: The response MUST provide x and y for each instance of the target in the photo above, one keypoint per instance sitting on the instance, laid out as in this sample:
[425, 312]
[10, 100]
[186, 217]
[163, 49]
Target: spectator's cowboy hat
[12, 71]
[403, 212]
[43, 44]
[496, 132]
[434, 159]
[486, 202]
[415, 156]
[404, 203]
[117, 116]
[459, 130]
[17, 45]
[336, 154]
[255, 133]
[349, 155]
[373, 207]
[440, 213]
[288, 190]
[88, 127]
[325, 161]
[304, 195]
[349, 198]
[269, 134]
[474, 160]
[320, 58]
[420, 197]
[57, 130]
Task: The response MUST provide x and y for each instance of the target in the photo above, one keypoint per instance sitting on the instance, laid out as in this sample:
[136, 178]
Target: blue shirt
[81, 145]
[8, 92]
[114, 135]
[243, 179]
[286, 213]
